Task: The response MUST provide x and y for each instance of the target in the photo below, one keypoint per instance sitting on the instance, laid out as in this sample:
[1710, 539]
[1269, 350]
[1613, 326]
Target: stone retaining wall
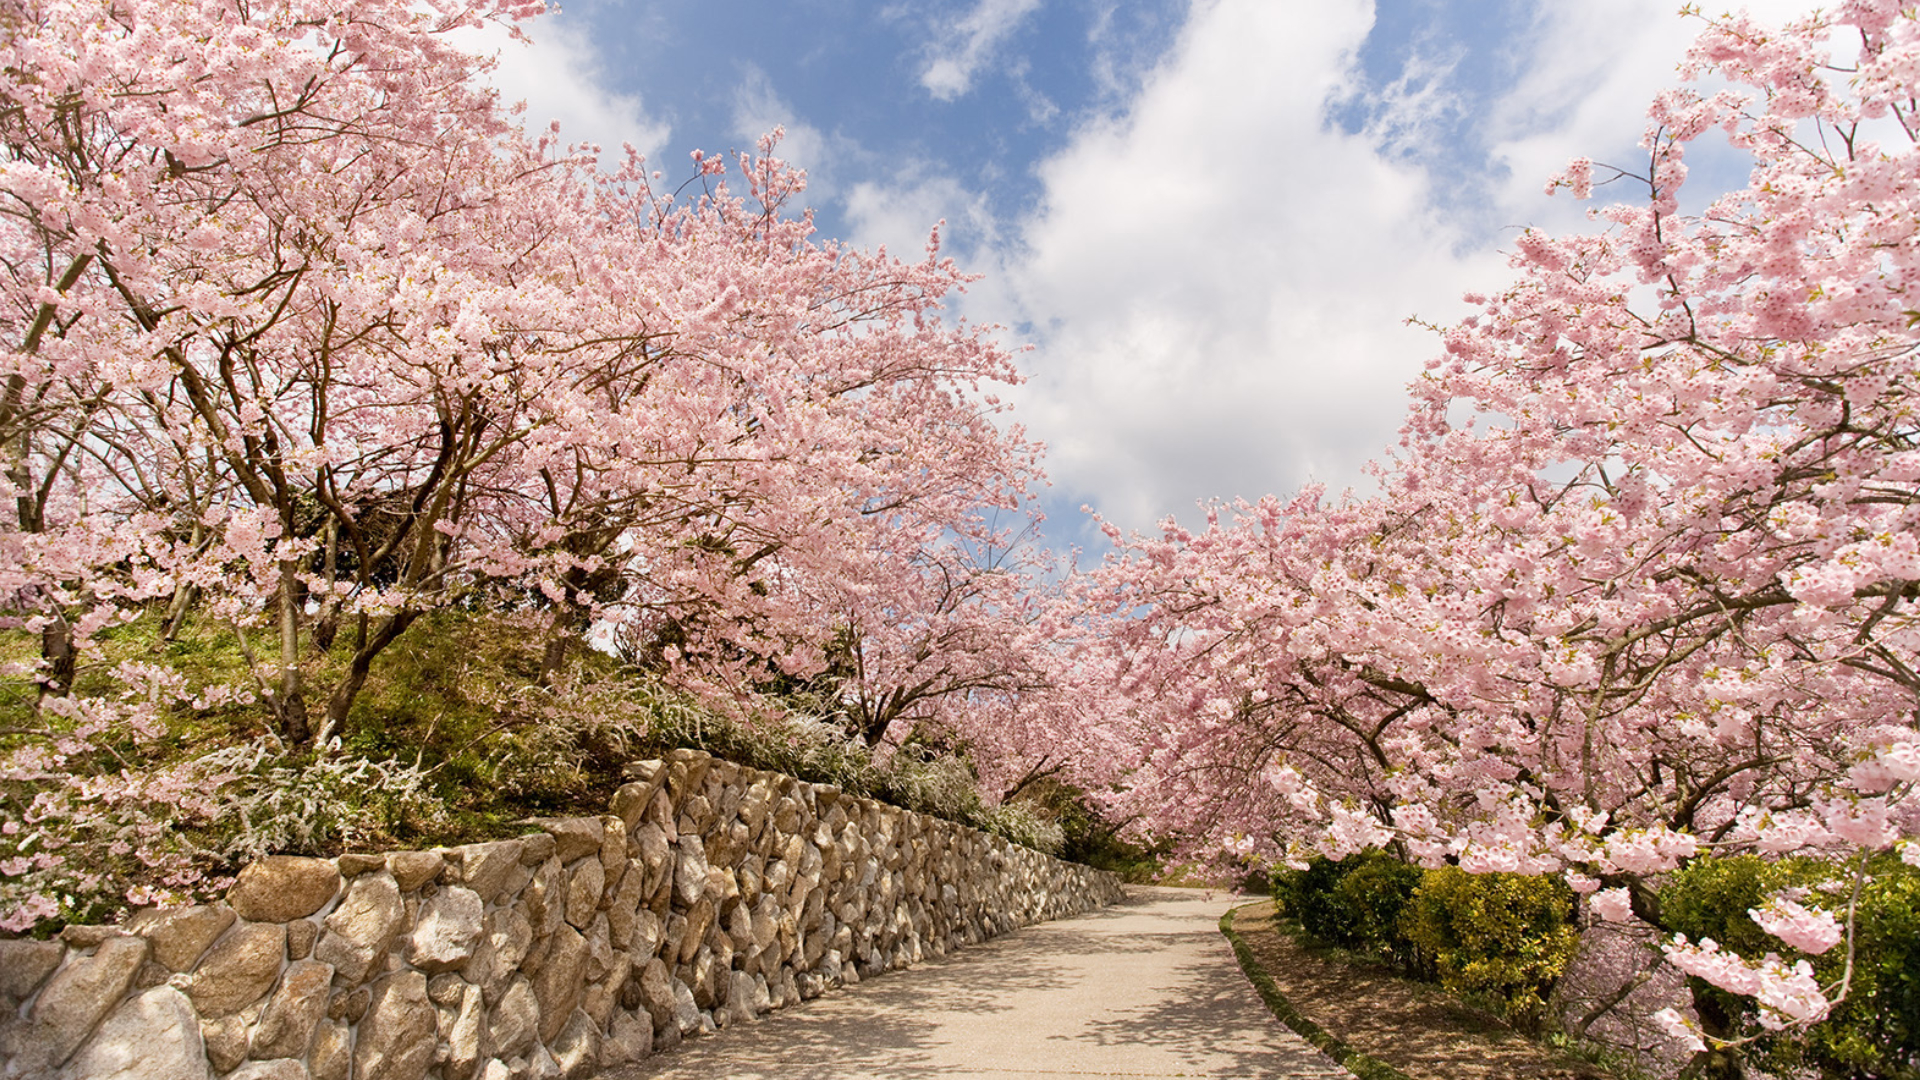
[711, 894]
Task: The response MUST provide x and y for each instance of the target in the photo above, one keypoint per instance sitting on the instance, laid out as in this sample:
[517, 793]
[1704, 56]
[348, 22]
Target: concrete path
[1148, 987]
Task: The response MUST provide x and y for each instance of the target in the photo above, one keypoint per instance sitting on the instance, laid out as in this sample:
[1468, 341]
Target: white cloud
[893, 200]
[1219, 281]
[964, 44]
[900, 211]
[1595, 69]
[559, 75]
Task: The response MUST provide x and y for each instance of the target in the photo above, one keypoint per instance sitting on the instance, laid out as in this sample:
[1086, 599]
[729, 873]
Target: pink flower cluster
[1787, 995]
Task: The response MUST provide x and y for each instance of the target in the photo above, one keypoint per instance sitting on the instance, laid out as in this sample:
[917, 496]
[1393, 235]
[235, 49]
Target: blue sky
[1209, 218]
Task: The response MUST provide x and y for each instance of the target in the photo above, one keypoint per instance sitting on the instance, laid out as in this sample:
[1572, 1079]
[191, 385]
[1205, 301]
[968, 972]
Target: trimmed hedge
[1500, 940]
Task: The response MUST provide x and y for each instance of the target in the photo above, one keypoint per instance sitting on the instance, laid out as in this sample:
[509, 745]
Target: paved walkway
[1148, 987]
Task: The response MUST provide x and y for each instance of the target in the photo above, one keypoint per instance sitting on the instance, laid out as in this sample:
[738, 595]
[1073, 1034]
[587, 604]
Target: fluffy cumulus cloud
[558, 74]
[962, 45]
[1219, 280]
[1217, 258]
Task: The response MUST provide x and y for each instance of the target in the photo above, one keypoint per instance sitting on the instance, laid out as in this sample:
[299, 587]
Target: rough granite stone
[631, 1039]
[630, 802]
[239, 969]
[545, 898]
[486, 868]
[354, 864]
[361, 928]
[656, 992]
[225, 1040]
[87, 937]
[447, 930]
[601, 956]
[349, 1005]
[699, 921]
[412, 869]
[281, 888]
[584, 886]
[648, 932]
[71, 1002]
[686, 1013]
[151, 1036]
[650, 844]
[536, 848]
[276, 1069]
[446, 989]
[624, 905]
[332, 1055]
[25, 964]
[396, 1039]
[466, 1037]
[515, 1021]
[690, 871]
[506, 936]
[577, 1050]
[598, 1001]
[574, 837]
[558, 983]
[294, 1012]
[301, 934]
[740, 1004]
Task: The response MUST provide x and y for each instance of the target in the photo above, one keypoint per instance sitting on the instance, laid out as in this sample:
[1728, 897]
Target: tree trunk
[1714, 1063]
[554, 657]
[177, 608]
[291, 703]
[327, 624]
[340, 704]
[56, 648]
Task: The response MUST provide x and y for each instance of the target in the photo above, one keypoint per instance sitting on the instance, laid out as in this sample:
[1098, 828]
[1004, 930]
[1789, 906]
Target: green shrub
[1498, 939]
[1355, 903]
[1875, 1032]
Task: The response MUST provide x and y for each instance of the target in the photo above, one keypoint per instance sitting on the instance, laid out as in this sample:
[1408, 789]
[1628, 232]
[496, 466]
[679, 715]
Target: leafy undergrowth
[454, 739]
[1381, 1025]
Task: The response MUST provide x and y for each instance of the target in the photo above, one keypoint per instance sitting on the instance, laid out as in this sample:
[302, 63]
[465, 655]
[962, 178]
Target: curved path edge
[1354, 1061]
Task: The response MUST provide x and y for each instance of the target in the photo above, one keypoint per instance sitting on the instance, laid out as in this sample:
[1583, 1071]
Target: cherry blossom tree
[1640, 585]
[305, 336]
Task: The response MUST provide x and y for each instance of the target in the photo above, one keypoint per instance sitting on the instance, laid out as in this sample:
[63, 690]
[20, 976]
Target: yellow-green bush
[1502, 939]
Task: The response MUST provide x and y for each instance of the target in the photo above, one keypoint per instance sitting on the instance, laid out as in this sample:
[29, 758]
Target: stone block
[413, 869]
[74, 999]
[281, 888]
[239, 970]
[294, 1012]
[180, 936]
[25, 964]
[447, 930]
[396, 1039]
[359, 931]
[153, 1035]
